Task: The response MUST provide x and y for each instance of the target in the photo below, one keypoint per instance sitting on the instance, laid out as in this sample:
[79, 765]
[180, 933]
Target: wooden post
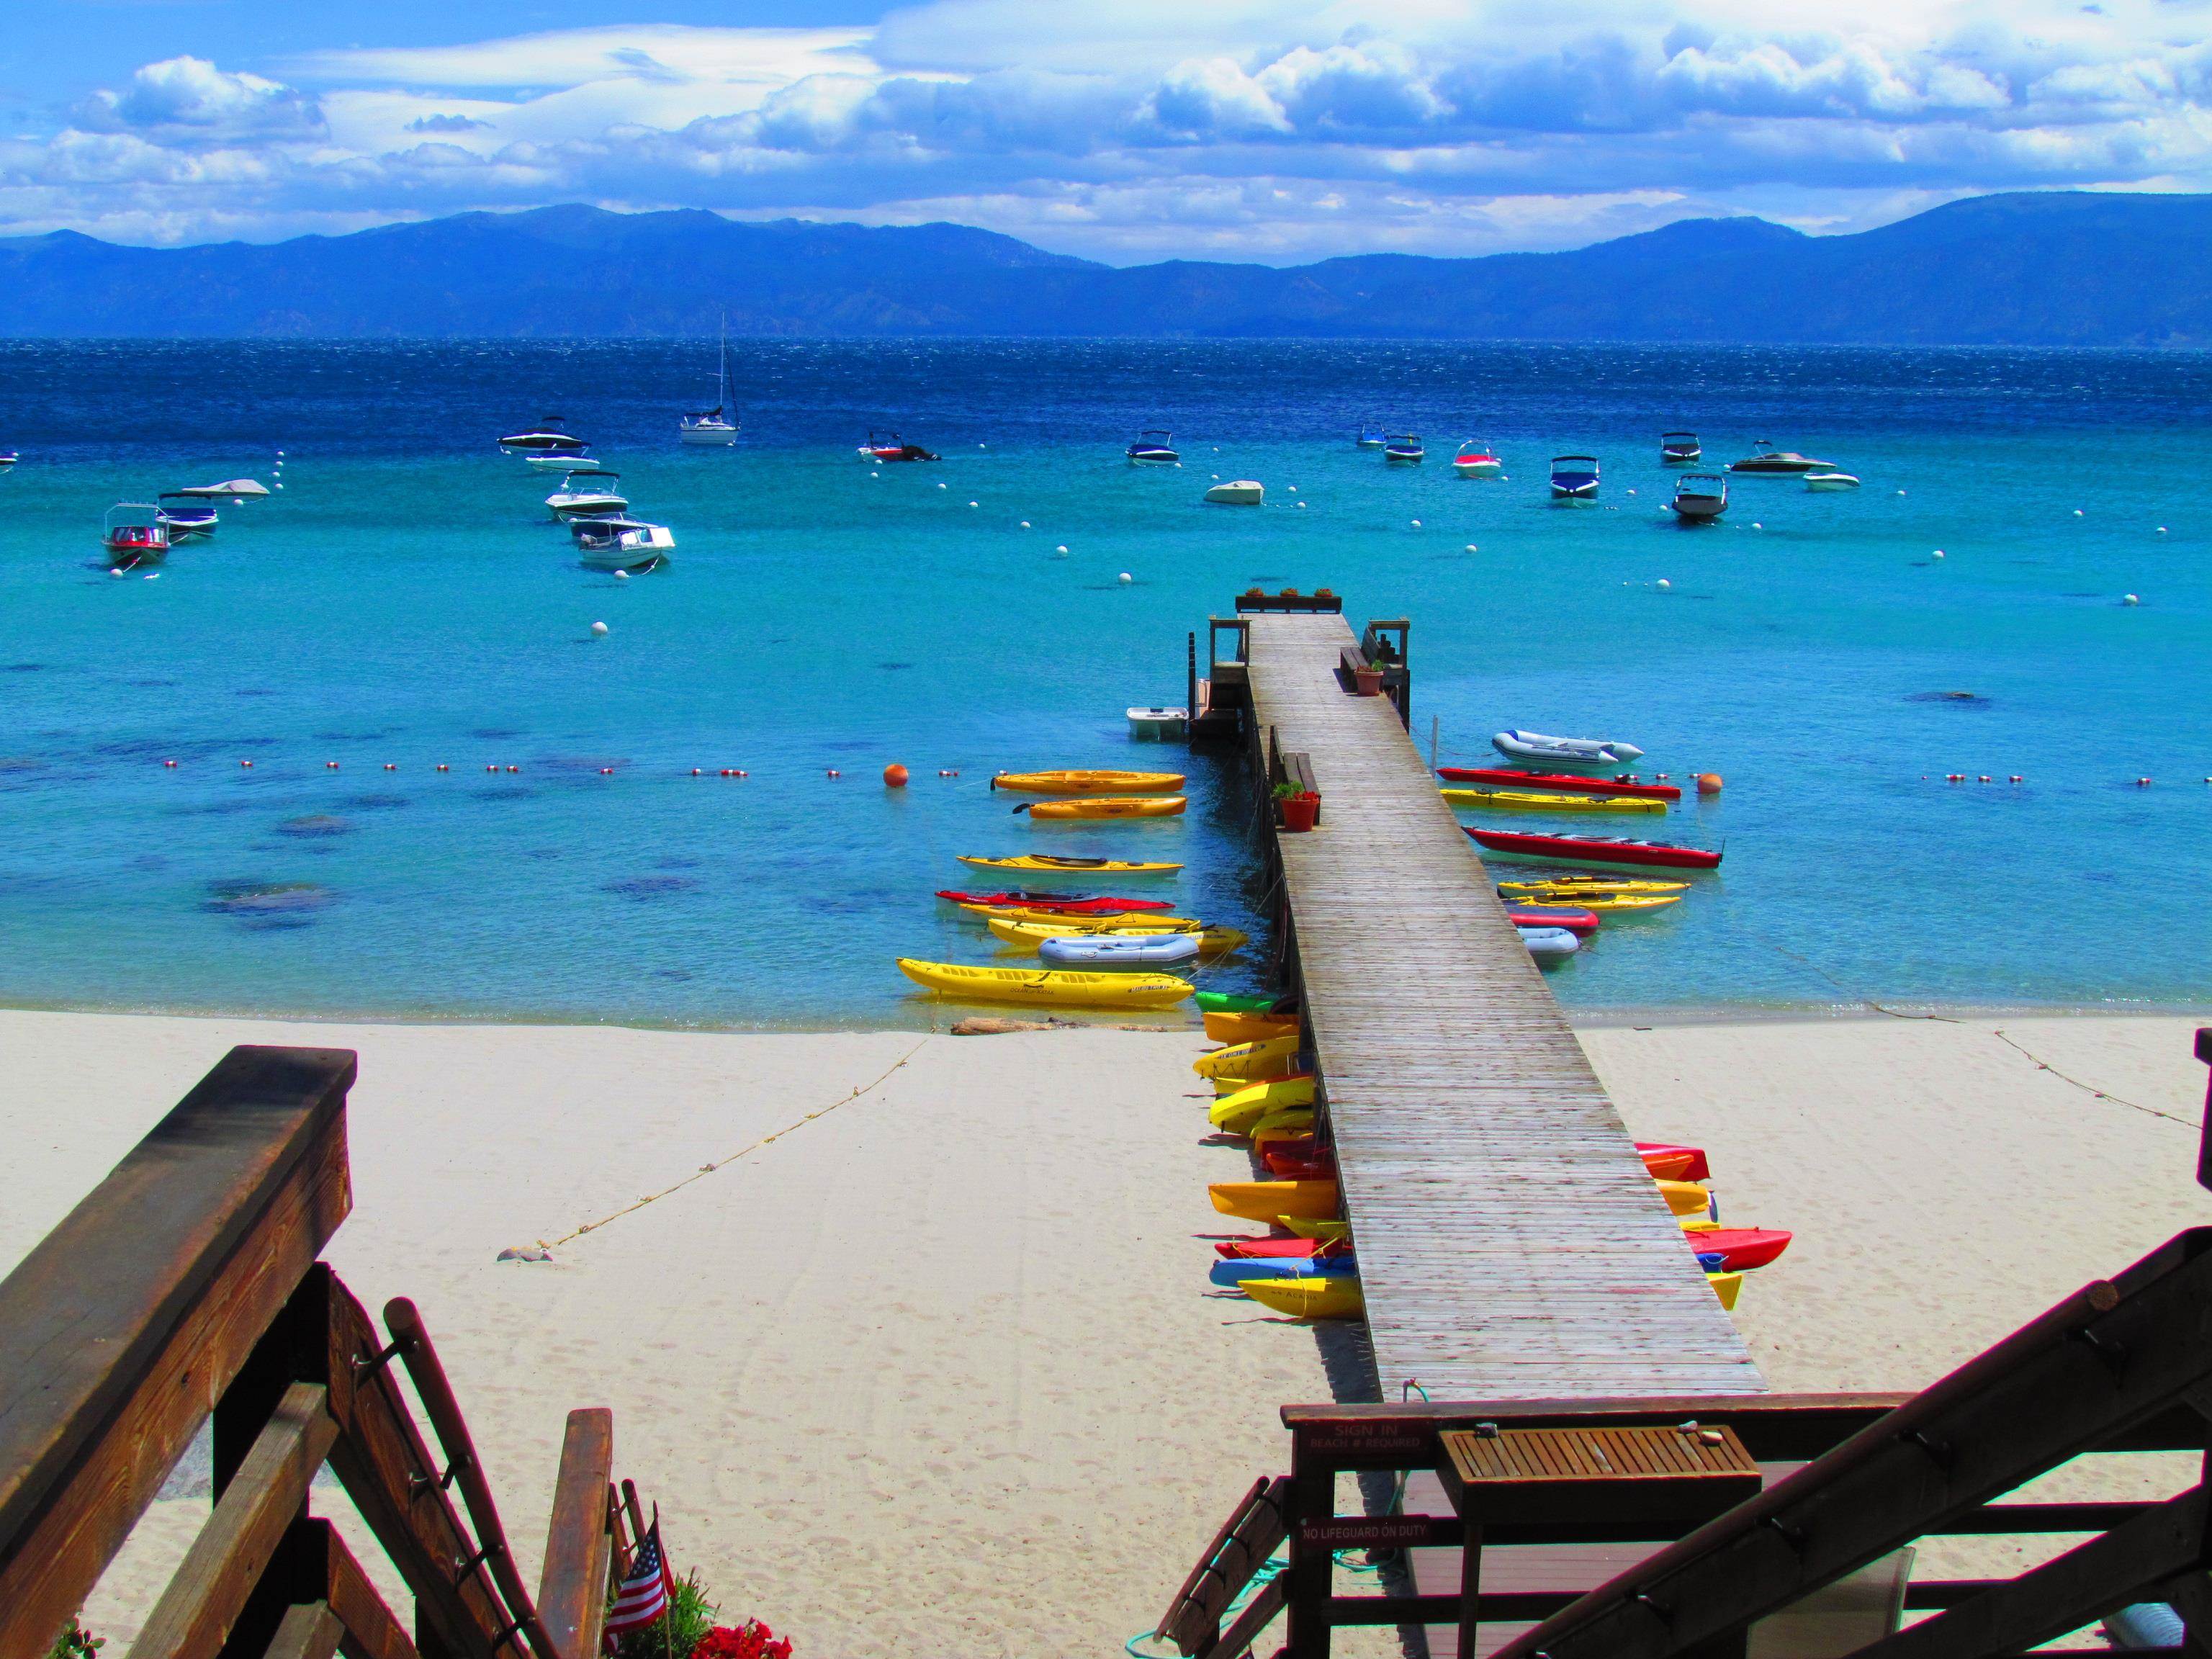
[1470, 1586]
[2204, 1142]
[572, 1588]
[1310, 1579]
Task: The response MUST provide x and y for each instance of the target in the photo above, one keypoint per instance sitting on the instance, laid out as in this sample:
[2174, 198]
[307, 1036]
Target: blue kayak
[1229, 1273]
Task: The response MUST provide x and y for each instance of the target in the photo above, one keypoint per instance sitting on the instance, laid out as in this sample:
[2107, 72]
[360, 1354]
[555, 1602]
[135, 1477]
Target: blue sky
[1133, 130]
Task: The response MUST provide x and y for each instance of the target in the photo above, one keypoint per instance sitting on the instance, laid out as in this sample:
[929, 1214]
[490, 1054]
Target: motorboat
[622, 543]
[1370, 436]
[1476, 460]
[7, 459]
[1154, 446]
[588, 495]
[549, 436]
[712, 426]
[1403, 448]
[186, 516]
[1159, 723]
[892, 447]
[1780, 460]
[1574, 478]
[133, 534]
[1540, 752]
[1679, 449]
[565, 463]
[1699, 497]
[236, 491]
[1831, 481]
[1237, 492]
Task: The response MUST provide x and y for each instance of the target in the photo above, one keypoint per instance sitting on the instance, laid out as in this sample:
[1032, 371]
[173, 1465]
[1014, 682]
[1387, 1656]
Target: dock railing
[187, 1287]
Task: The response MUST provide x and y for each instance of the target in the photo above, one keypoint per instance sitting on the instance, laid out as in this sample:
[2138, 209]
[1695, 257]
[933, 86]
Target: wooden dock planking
[1511, 1245]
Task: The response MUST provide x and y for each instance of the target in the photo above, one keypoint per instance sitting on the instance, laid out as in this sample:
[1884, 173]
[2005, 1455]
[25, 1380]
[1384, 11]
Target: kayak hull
[1331, 1295]
[1571, 781]
[1043, 864]
[1520, 800]
[1090, 782]
[1067, 904]
[1237, 1114]
[1046, 987]
[1122, 806]
[1264, 1201]
[1593, 851]
[1250, 1061]
[1248, 1028]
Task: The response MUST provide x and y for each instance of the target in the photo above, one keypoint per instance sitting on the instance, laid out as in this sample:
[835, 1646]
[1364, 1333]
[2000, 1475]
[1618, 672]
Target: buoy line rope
[705, 1170]
[2042, 1065]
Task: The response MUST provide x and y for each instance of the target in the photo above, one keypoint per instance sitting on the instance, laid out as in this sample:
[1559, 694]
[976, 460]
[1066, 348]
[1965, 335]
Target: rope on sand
[2101, 1094]
[705, 1170]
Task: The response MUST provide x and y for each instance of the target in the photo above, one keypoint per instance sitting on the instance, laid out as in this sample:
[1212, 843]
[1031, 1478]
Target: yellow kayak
[1250, 1028]
[1249, 1062]
[1234, 1114]
[1685, 1198]
[1629, 902]
[1089, 783]
[1588, 890]
[1049, 986]
[1023, 913]
[1307, 1227]
[1110, 806]
[1263, 1200]
[1317, 1296]
[1282, 1124]
[1726, 1286]
[1524, 801]
[1045, 864]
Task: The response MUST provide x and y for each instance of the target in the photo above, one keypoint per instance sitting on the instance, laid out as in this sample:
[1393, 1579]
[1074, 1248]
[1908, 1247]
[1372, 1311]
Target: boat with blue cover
[1574, 478]
[1155, 447]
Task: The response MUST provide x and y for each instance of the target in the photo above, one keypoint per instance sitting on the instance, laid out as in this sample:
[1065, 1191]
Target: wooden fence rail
[187, 1287]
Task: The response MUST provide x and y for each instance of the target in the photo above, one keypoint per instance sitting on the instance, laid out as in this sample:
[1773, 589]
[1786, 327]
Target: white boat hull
[1484, 469]
[1238, 492]
[1159, 723]
[1830, 480]
[712, 437]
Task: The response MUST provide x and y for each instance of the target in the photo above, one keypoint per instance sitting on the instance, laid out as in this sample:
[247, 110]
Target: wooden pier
[1511, 1244]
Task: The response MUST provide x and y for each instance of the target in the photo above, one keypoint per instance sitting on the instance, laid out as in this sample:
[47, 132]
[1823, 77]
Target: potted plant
[1298, 808]
[1369, 679]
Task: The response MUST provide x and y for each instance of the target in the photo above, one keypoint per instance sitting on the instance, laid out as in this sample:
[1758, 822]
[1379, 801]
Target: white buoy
[598, 630]
[2130, 599]
[280, 454]
[1025, 524]
[875, 474]
[1664, 585]
[1417, 523]
[971, 503]
[1293, 488]
[1126, 578]
[1755, 525]
[1059, 552]
[118, 571]
[1302, 506]
[2161, 530]
[1216, 476]
[153, 575]
[1631, 492]
[942, 486]
[280, 484]
[2077, 512]
[1470, 547]
[622, 575]
[1937, 554]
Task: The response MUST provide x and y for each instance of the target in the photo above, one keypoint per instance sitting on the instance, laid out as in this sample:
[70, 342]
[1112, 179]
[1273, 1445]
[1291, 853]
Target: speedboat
[1476, 460]
[893, 448]
[550, 436]
[1403, 448]
[235, 491]
[1370, 436]
[1679, 449]
[1831, 481]
[1159, 723]
[566, 464]
[1154, 448]
[1780, 460]
[622, 543]
[711, 426]
[186, 516]
[1237, 492]
[1540, 752]
[588, 495]
[1574, 478]
[1699, 497]
[7, 459]
[133, 534]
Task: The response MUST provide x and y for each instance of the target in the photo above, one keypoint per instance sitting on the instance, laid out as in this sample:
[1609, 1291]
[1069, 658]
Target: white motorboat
[550, 436]
[588, 495]
[1237, 492]
[1370, 436]
[711, 426]
[1699, 497]
[622, 543]
[1831, 481]
[1679, 449]
[235, 491]
[1159, 723]
[1538, 752]
[1476, 460]
[1574, 479]
[566, 464]
[1403, 448]
[7, 459]
[185, 515]
[1780, 460]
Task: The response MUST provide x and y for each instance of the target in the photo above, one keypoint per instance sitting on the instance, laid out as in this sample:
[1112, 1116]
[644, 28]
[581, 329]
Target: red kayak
[1060, 902]
[1493, 775]
[1607, 852]
[1672, 1163]
[1260, 1250]
[1740, 1249]
[1290, 1166]
[1579, 922]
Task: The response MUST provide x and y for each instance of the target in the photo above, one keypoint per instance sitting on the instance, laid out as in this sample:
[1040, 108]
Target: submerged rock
[315, 824]
[270, 903]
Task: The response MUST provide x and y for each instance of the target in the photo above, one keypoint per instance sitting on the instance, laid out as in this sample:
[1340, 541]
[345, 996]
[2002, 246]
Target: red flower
[754, 1641]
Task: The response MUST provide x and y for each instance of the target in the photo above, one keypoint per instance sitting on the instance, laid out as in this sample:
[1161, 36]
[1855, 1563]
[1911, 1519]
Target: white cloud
[1274, 128]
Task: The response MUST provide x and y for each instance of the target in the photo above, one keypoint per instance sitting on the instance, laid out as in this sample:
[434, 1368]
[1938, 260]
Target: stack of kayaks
[1097, 794]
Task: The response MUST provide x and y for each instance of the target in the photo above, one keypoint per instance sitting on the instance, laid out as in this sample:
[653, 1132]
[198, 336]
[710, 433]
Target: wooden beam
[194, 1616]
[572, 1586]
[121, 1327]
[310, 1631]
[1259, 1613]
[371, 1631]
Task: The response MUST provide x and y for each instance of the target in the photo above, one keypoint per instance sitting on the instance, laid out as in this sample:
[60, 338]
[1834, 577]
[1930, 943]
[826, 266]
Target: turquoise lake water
[406, 600]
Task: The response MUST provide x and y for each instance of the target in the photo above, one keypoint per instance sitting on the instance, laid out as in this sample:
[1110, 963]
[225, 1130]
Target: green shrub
[76, 1642]
[690, 1615]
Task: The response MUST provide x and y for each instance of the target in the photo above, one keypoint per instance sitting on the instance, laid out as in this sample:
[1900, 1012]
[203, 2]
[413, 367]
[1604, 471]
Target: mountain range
[2056, 269]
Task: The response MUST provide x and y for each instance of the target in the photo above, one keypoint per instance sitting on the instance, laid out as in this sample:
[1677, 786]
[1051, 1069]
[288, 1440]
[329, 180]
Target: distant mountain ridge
[2083, 268]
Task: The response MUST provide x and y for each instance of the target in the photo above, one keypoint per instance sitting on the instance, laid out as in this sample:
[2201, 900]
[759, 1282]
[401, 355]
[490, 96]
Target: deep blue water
[406, 600]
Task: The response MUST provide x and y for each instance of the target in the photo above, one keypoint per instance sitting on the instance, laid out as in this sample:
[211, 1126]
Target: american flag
[643, 1596]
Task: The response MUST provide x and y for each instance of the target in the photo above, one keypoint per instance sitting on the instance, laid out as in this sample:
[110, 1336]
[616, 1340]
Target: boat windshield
[1574, 463]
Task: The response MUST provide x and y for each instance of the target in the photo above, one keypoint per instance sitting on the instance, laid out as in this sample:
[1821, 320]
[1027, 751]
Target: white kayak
[1543, 753]
[1091, 951]
[1549, 944]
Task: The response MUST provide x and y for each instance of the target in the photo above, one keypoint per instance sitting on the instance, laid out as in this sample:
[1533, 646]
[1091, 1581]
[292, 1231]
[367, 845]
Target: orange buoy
[1709, 783]
[894, 776]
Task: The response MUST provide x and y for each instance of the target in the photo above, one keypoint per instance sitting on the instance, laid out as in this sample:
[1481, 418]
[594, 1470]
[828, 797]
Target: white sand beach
[939, 1371]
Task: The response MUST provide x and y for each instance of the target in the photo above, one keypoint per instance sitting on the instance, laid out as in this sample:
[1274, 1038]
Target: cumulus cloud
[1269, 128]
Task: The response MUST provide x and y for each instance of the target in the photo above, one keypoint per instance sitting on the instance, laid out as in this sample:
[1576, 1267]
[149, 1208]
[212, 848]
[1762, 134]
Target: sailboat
[711, 426]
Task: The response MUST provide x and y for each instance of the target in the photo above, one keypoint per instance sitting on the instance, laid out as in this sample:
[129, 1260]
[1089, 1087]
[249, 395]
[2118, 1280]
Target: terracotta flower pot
[1300, 812]
[1369, 680]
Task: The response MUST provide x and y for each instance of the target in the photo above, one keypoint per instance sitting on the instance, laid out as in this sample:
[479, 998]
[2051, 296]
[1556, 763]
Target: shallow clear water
[406, 600]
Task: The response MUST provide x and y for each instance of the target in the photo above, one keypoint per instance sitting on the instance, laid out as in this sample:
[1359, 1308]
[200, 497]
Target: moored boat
[1544, 752]
[1549, 944]
[1089, 782]
[1524, 801]
[1574, 478]
[1595, 886]
[892, 447]
[1159, 724]
[588, 495]
[1780, 460]
[1602, 852]
[712, 426]
[1249, 1062]
[1573, 919]
[1108, 806]
[1048, 864]
[1089, 950]
[564, 462]
[1831, 481]
[133, 534]
[1567, 780]
[1699, 497]
[549, 436]
[1073, 904]
[1047, 986]
[1264, 1201]
[236, 491]
[623, 543]
[1679, 449]
[1403, 448]
[7, 459]
[1735, 1249]
[187, 516]
[1154, 446]
[1477, 460]
[1368, 436]
[1238, 492]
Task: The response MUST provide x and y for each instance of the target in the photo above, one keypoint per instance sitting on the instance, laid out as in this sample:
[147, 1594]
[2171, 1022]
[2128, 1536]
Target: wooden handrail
[572, 1585]
[122, 1326]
